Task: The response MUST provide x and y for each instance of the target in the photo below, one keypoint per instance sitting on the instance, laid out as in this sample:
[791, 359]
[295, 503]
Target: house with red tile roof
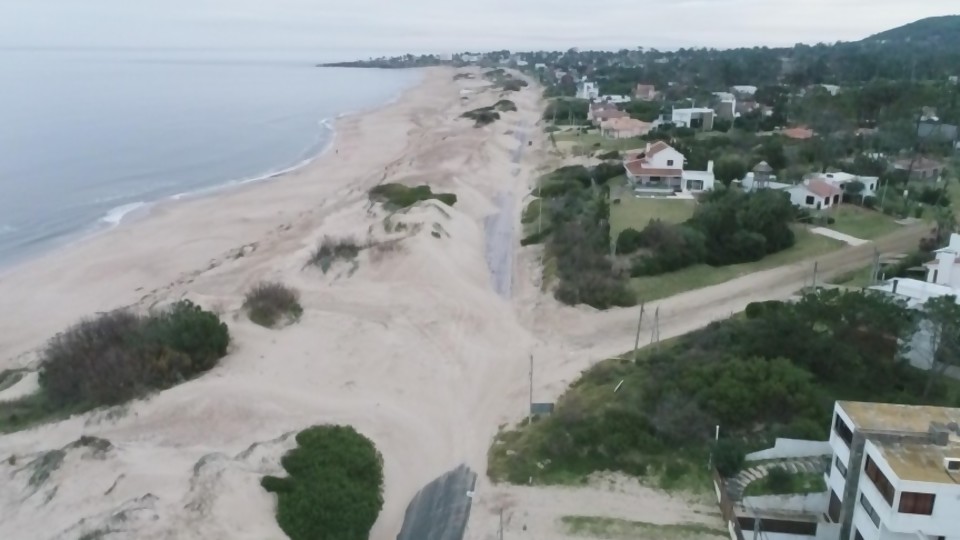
[920, 168]
[603, 111]
[798, 133]
[659, 166]
[815, 194]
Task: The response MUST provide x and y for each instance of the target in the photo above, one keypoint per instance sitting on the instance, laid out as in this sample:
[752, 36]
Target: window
[840, 466]
[874, 517]
[842, 430]
[935, 275]
[669, 163]
[833, 511]
[879, 480]
[809, 199]
[917, 503]
[836, 199]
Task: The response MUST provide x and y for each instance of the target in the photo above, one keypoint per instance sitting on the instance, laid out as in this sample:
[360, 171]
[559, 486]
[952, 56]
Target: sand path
[413, 346]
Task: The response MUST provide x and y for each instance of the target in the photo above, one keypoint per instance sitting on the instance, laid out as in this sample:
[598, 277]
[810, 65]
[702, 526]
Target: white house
[815, 194]
[588, 90]
[895, 473]
[614, 98]
[660, 167]
[841, 179]
[539, 66]
[696, 118]
[744, 89]
[943, 278]
[831, 88]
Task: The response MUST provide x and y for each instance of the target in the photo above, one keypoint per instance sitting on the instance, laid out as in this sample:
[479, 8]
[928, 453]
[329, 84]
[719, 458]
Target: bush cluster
[774, 374]
[513, 85]
[118, 356]
[334, 487]
[401, 196]
[482, 116]
[729, 227]
[505, 105]
[270, 303]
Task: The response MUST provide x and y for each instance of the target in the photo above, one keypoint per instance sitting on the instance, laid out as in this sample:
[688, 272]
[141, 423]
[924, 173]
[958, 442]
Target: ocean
[92, 137]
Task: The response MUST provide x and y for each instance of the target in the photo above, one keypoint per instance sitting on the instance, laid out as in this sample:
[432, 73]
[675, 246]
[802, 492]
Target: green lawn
[604, 527]
[590, 141]
[857, 278]
[861, 222]
[702, 275]
[788, 484]
[637, 212]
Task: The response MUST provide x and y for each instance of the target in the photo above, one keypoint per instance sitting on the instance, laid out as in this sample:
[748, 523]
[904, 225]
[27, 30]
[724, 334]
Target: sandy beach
[413, 346]
[424, 346]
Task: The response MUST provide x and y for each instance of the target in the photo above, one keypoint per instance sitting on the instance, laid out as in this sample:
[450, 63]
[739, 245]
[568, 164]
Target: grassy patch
[604, 527]
[334, 487]
[856, 278]
[583, 143]
[596, 429]
[702, 275]
[862, 222]
[269, 304]
[636, 213]
[781, 482]
[401, 196]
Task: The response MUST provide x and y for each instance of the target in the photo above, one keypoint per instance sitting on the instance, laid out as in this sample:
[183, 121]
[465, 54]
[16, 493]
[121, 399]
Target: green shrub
[628, 241]
[269, 303]
[613, 154]
[482, 116]
[728, 457]
[334, 487]
[401, 196]
[118, 356]
[513, 85]
[505, 105]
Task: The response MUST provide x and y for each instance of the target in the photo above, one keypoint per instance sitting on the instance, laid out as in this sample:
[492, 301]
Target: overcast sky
[349, 28]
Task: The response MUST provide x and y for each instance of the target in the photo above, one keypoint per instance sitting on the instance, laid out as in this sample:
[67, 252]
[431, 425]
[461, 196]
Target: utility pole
[815, 263]
[636, 343]
[530, 406]
[500, 534]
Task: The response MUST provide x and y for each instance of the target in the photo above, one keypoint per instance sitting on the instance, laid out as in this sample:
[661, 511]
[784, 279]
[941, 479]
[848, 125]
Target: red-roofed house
[798, 133]
[659, 166]
[815, 194]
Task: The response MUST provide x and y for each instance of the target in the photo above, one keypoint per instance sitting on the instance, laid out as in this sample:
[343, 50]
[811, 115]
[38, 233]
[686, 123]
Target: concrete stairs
[759, 470]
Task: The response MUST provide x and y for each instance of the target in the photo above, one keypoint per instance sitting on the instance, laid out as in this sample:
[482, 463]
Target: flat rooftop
[892, 417]
[921, 462]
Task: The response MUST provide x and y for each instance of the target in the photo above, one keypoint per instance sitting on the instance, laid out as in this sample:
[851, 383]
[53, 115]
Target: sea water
[91, 137]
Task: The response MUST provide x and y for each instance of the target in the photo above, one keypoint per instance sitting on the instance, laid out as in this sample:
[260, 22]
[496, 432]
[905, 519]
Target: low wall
[792, 448]
[810, 503]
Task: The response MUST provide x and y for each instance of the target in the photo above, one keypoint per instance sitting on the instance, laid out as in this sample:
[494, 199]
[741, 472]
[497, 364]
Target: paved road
[500, 227]
[441, 509]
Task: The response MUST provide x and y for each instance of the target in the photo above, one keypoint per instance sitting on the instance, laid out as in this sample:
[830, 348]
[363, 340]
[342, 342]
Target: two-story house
[659, 166]
[895, 473]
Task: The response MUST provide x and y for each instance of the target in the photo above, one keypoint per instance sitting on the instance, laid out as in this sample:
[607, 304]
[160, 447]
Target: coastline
[68, 269]
[130, 213]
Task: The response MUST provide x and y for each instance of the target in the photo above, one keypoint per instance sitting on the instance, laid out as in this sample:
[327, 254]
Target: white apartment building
[696, 118]
[895, 473]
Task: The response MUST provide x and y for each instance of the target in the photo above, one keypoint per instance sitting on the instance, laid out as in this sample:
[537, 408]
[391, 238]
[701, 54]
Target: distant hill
[936, 31]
